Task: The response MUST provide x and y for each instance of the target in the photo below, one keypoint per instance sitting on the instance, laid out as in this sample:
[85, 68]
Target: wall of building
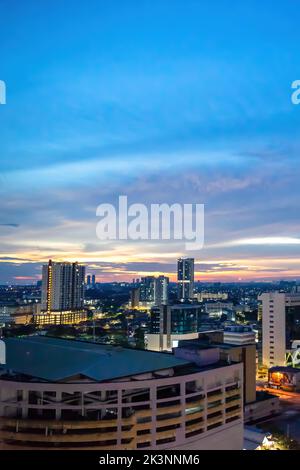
[261, 409]
[246, 354]
[273, 332]
[155, 340]
[233, 439]
[174, 411]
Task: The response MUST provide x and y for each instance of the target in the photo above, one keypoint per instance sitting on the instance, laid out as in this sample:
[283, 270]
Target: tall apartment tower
[147, 289]
[154, 290]
[280, 326]
[161, 296]
[62, 287]
[185, 278]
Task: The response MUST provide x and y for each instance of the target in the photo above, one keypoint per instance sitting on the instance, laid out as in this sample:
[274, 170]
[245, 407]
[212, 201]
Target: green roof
[54, 359]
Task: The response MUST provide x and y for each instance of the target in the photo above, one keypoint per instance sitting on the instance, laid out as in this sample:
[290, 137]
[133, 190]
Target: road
[288, 421]
[295, 397]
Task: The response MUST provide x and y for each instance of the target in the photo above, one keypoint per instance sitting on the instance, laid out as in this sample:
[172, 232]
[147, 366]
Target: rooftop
[206, 344]
[54, 359]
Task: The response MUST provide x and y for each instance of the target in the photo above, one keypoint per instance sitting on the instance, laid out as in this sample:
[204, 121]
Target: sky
[165, 102]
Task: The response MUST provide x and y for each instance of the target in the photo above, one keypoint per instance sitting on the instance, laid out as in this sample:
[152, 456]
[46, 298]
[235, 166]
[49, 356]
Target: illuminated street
[288, 421]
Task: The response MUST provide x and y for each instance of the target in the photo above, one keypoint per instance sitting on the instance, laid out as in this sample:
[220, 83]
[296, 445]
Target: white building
[280, 326]
[171, 323]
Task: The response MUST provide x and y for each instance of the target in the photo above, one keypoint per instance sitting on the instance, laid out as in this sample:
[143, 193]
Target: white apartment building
[280, 326]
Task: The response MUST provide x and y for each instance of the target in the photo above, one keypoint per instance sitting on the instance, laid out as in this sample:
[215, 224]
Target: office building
[170, 323]
[66, 317]
[88, 280]
[93, 280]
[218, 309]
[63, 287]
[280, 327]
[185, 279]
[100, 397]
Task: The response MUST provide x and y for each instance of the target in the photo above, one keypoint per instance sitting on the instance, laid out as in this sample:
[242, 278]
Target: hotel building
[171, 323]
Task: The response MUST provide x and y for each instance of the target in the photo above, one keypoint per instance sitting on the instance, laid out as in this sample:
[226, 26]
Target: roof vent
[2, 352]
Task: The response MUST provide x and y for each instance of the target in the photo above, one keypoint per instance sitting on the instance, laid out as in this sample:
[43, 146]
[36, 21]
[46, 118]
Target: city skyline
[161, 104]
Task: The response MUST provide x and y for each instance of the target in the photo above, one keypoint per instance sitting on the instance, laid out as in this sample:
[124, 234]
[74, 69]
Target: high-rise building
[161, 290]
[93, 280]
[147, 289]
[154, 290]
[185, 278]
[135, 297]
[280, 326]
[88, 280]
[62, 287]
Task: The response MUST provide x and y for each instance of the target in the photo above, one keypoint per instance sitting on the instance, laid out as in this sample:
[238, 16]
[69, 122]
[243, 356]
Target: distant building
[239, 335]
[139, 400]
[63, 287]
[259, 312]
[217, 309]
[202, 296]
[62, 294]
[93, 280]
[185, 279]
[71, 317]
[88, 280]
[135, 297]
[170, 323]
[147, 289]
[154, 290]
[280, 327]
[161, 290]
[19, 314]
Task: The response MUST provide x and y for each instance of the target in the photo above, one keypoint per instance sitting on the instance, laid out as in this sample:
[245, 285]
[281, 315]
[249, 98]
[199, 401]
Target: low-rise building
[239, 334]
[91, 396]
[284, 378]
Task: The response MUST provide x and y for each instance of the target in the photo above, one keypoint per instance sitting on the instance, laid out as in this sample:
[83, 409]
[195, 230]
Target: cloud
[271, 241]
[10, 225]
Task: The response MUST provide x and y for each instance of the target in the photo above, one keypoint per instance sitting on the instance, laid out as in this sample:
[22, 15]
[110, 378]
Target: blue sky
[181, 101]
